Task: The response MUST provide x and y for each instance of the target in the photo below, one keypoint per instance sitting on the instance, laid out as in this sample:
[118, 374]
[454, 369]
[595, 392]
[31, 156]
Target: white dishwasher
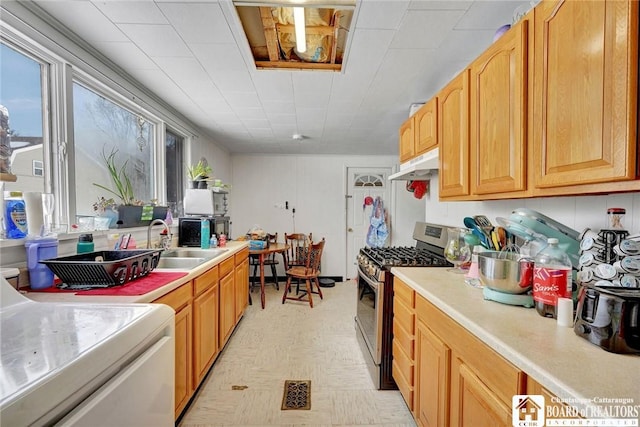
[77, 364]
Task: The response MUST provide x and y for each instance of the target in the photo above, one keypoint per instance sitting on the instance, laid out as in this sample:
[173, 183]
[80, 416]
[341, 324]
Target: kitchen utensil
[485, 225]
[477, 231]
[506, 272]
[534, 241]
[495, 240]
[471, 239]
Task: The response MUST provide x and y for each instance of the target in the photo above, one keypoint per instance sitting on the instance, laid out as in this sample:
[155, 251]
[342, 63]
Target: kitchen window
[22, 117]
[101, 127]
[74, 113]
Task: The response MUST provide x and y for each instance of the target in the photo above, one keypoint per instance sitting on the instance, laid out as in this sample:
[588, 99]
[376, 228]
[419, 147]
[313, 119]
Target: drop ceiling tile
[440, 5]
[310, 81]
[255, 123]
[366, 52]
[240, 100]
[156, 40]
[380, 14]
[125, 54]
[131, 12]
[489, 15]
[198, 22]
[251, 113]
[84, 19]
[279, 107]
[273, 85]
[425, 29]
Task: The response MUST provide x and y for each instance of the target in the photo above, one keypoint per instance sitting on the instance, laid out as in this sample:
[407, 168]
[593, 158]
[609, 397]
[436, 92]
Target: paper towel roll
[33, 208]
[565, 312]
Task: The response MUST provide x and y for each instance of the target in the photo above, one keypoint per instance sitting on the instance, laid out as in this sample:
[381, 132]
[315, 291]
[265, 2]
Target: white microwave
[205, 202]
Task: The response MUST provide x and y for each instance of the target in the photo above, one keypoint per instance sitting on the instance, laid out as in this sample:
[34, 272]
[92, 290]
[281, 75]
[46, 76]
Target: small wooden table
[274, 248]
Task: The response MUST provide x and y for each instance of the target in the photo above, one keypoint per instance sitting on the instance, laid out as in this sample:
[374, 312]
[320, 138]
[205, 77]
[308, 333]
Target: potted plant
[106, 208]
[132, 211]
[198, 174]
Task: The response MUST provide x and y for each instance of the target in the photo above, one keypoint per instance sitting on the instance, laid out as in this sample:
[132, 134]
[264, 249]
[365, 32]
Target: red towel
[150, 282]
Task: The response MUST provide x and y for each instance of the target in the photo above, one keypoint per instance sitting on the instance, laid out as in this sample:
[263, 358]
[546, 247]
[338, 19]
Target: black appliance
[374, 313]
[189, 229]
[609, 317]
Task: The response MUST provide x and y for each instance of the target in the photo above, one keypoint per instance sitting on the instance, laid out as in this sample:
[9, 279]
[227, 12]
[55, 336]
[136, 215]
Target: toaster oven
[189, 229]
[609, 317]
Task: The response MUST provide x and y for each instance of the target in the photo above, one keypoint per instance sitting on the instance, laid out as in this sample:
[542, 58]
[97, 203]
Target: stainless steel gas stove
[374, 316]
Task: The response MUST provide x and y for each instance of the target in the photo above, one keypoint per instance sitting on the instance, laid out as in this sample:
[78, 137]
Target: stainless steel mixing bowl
[505, 272]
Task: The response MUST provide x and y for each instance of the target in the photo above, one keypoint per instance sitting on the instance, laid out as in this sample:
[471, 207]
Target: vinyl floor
[292, 341]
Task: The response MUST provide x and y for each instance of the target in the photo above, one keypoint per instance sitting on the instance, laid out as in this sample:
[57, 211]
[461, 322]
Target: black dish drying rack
[103, 269]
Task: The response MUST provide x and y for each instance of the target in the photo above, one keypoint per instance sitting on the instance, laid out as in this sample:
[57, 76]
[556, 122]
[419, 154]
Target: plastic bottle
[85, 244]
[205, 233]
[551, 278]
[213, 242]
[15, 216]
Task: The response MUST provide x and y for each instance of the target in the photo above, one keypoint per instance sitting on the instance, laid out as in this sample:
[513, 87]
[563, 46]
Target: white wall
[315, 186]
[575, 212]
[218, 158]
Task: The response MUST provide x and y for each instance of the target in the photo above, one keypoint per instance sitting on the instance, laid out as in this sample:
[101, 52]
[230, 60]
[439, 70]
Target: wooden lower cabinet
[457, 379]
[403, 346]
[180, 301]
[227, 307]
[207, 309]
[241, 283]
[472, 402]
[205, 331]
[553, 406]
[433, 360]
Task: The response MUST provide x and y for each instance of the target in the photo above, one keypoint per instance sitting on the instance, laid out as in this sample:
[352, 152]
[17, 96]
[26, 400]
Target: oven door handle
[371, 282]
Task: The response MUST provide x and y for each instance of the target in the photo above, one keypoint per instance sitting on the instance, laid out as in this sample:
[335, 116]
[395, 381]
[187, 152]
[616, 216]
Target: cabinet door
[183, 365]
[205, 314]
[407, 149]
[498, 115]
[242, 288]
[472, 402]
[425, 125]
[227, 307]
[585, 93]
[432, 378]
[453, 137]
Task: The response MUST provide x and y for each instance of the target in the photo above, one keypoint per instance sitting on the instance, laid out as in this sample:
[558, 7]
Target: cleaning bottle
[15, 216]
[85, 244]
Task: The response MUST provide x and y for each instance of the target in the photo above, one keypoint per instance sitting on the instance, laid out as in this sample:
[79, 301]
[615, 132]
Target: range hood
[417, 168]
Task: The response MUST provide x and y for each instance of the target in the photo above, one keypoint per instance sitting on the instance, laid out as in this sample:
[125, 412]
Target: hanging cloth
[378, 230]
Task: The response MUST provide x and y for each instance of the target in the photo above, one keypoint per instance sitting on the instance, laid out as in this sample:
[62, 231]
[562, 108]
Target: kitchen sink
[193, 253]
[183, 263]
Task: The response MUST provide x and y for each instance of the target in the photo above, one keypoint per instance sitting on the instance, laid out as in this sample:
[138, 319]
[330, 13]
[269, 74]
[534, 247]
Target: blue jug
[40, 276]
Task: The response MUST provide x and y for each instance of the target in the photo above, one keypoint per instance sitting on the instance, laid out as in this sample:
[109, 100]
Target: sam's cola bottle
[551, 278]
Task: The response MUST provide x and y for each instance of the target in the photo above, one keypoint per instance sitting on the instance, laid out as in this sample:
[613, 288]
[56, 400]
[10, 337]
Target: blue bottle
[205, 233]
[15, 216]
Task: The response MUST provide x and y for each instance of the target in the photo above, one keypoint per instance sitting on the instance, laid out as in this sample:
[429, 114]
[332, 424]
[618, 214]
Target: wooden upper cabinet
[407, 148]
[453, 137]
[498, 131]
[585, 105]
[425, 125]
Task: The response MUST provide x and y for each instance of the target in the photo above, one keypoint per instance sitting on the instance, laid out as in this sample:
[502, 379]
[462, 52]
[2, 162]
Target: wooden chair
[308, 272]
[270, 261]
[298, 247]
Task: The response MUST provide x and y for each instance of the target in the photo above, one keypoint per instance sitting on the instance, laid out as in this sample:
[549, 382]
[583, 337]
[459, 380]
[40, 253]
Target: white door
[363, 183]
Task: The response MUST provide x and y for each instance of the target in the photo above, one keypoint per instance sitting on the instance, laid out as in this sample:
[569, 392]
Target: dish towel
[378, 230]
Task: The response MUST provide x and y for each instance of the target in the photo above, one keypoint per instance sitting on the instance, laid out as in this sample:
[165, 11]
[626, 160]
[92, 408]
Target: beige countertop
[567, 365]
[232, 246]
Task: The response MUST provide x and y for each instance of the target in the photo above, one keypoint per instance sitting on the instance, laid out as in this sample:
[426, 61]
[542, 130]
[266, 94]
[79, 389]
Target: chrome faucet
[165, 240]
